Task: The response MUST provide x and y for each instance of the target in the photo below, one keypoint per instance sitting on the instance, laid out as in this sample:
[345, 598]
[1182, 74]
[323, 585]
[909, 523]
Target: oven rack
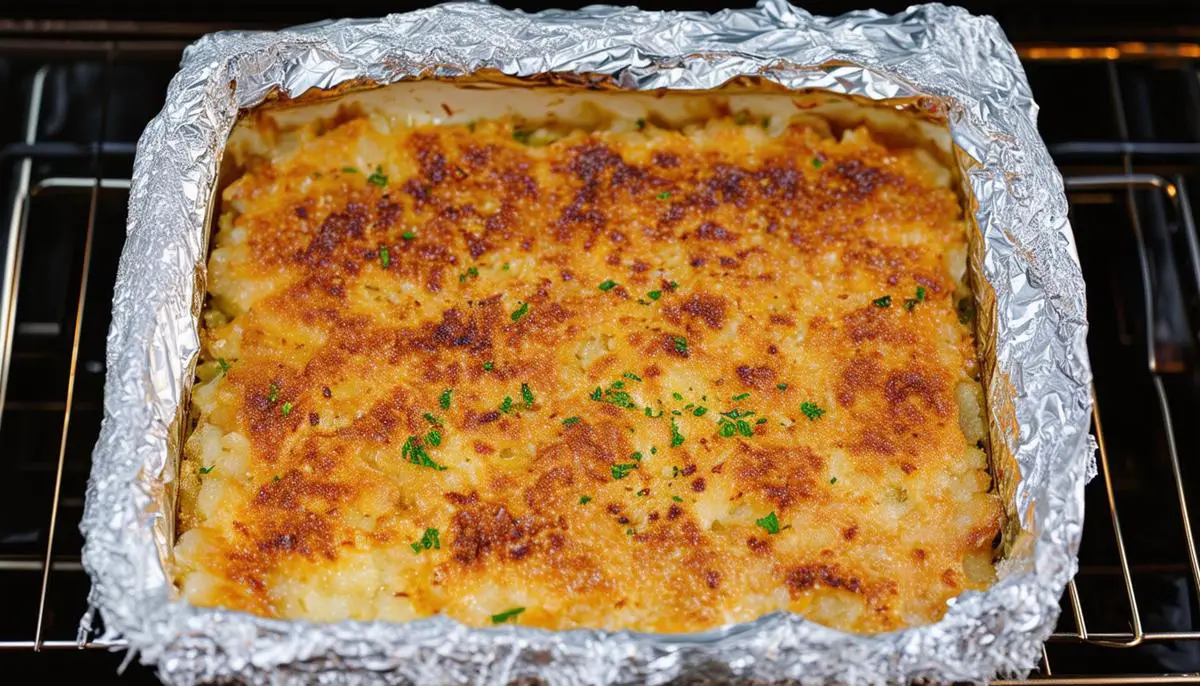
[1128, 184]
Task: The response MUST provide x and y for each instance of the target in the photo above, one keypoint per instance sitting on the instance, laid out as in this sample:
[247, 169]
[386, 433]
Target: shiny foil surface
[1030, 299]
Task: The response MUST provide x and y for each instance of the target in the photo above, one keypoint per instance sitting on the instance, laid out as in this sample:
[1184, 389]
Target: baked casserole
[636, 376]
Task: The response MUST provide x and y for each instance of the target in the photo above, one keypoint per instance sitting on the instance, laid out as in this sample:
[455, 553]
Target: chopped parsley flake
[350, 170]
[522, 136]
[472, 273]
[650, 413]
[727, 429]
[434, 438]
[506, 266]
[608, 285]
[740, 397]
[276, 478]
[653, 450]
[273, 395]
[744, 428]
[833, 480]
[378, 177]
[770, 523]
[761, 420]
[489, 366]
[636, 455]
[631, 376]
[664, 195]
[681, 345]
[429, 541]
[700, 411]
[571, 421]
[206, 470]
[673, 285]
[408, 235]
[432, 420]
[654, 295]
[585, 499]
[781, 386]
[677, 396]
[676, 437]
[613, 395]
[385, 258]
[911, 303]
[444, 398]
[223, 365]
[520, 312]
[641, 124]
[415, 453]
[286, 409]
[620, 471]
[527, 396]
[811, 410]
[817, 163]
[677, 499]
[506, 404]
[885, 301]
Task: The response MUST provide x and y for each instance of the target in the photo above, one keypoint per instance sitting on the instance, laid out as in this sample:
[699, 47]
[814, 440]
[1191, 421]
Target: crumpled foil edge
[1029, 260]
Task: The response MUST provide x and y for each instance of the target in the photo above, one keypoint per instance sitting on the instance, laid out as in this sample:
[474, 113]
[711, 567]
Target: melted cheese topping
[637, 378]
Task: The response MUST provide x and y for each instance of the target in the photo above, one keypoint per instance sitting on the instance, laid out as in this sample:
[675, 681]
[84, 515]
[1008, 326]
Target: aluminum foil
[1032, 325]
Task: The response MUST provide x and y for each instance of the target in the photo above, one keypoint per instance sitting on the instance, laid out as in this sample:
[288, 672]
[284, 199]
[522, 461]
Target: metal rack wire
[1075, 628]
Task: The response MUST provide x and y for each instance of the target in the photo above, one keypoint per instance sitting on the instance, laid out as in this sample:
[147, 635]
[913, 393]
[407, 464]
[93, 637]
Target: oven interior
[1122, 120]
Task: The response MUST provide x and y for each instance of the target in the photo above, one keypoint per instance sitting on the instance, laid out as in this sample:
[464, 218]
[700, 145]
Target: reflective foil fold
[1026, 272]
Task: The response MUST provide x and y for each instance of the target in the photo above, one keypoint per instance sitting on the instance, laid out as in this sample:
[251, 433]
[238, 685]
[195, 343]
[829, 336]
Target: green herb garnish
[654, 295]
[431, 419]
[206, 470]
[223, 365]
[385, 258]
[811, 410]
[664, 195]
[444, 398]
[470, 273]
[739, 397]
[631, 376]
[620, 471]
[585, 499]
[527, 396]
[885, 301]
[520, 312]
[429, 541]
[681, 345]
[608, 285]
[699, 411]
[350, 170]
[286, 409]
[676, 437]
[434, 438]
[770, 523]
[415, 453]
[273, 395]
[833, 480]
[378, 177]
[817, 162]
[522, 137]
[781, 386]
[571, 421]
[408, 235]
[677, 499]
[489, 366]
[506, 404]
[641, 124]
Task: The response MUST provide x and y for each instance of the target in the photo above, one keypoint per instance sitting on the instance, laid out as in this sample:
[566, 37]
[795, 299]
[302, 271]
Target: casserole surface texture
[631, 377]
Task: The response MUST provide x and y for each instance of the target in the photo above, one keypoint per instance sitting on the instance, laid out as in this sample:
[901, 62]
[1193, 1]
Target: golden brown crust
[636, 379]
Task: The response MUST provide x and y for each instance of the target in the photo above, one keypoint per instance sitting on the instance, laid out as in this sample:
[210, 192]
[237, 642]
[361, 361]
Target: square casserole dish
[446, 342]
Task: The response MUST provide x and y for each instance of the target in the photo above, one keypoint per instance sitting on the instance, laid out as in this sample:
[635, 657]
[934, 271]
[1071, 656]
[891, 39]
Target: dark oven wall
[1119, 86]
